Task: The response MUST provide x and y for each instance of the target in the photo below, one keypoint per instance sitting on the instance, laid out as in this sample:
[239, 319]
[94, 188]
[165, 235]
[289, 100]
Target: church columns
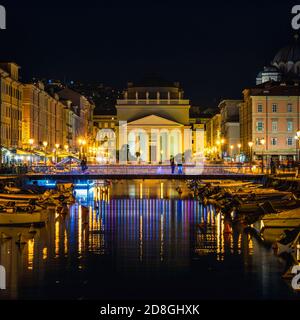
[158, 146]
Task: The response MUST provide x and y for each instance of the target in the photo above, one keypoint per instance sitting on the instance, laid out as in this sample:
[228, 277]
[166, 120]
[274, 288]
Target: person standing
[172, 162]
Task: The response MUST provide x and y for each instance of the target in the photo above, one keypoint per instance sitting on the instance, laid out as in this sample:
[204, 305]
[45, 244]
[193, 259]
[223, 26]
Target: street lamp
[231, 148]
[250, 144]
[31, 142]
[56, 151]
[297, 137]
[222, 144]
[45, 144]
[81, 143]
[262, 142]
[239, 147]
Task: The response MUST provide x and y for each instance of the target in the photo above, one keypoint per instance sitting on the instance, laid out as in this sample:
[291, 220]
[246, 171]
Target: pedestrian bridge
[146, 172]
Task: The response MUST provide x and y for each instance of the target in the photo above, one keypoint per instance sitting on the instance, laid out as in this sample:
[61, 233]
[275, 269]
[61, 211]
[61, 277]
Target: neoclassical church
[153, 117]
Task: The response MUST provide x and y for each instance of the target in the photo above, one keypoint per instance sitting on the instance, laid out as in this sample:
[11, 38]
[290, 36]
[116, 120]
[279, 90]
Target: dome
[287, 60]
[287, 54]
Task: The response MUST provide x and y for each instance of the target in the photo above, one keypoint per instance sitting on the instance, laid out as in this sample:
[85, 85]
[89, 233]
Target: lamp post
[231, 151]
[222, 146]
[56, 151]
[218, 148]
[82, 142]
[31, 142]
[262, 142]
[297, 137]
[250, 144]
[239, 147]
[45, 144]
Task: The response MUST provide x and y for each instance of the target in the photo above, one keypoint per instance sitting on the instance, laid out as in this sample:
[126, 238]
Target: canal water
[139, 239]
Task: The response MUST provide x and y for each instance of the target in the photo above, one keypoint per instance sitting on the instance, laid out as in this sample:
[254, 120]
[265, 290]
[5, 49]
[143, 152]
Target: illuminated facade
[82, 111]
[230, 126]
[213, 137]
[270, 112]
[11, 93]
[154, 122]
[43, 117]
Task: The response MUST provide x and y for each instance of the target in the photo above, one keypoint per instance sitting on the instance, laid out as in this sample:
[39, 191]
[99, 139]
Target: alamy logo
[2, 18]
[296, 18]
[2, 278]
[296, 279]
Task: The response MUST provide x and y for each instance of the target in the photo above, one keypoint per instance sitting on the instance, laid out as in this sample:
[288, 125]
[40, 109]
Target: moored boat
[21, 219]
[286, 219]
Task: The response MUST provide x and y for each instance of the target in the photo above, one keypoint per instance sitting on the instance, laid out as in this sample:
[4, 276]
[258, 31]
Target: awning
[23, 153]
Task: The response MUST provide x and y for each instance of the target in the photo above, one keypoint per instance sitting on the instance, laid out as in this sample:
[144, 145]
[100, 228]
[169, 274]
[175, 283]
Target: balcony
[153, 102]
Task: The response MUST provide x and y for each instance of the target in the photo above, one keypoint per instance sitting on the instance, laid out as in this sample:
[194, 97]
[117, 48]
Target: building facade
[81, 109]
[153, 123]
[270, 119]
[43, 118]
[11, 95]
[230, 127]
[213, 137]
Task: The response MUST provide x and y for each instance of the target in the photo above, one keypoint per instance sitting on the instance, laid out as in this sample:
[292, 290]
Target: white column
[123, 141]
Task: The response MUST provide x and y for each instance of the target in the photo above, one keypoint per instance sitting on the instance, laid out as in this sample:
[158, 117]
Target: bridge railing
[147, 170]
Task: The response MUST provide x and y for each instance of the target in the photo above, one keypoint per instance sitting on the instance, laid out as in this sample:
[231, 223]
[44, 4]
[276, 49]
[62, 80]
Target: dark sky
[214, 48]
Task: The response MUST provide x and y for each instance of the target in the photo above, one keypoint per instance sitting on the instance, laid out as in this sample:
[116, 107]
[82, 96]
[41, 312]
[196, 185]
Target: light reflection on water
[139, 239]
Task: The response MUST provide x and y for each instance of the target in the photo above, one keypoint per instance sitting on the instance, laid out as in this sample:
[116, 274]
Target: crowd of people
[12, 168]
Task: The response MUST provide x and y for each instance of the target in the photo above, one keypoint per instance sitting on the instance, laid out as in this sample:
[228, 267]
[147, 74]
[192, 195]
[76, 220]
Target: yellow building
[43, 118]
[155, 119]
[11, 92]
[82, 112]
[213, 137]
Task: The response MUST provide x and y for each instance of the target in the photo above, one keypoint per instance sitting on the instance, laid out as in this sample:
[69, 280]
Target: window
[274, 107]
[259, 126]
[289, 141]
[289, 107]
[274, 125]
[258, 141]
[290, 126]
[259, 108]
[274, 141]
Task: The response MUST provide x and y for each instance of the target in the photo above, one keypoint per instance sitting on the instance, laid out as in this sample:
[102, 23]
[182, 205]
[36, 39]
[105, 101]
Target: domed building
[287, 60]
[268, 74]
[270, 112]
[284, 66]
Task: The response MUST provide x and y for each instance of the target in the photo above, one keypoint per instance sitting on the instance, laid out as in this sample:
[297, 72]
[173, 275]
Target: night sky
[214, 48]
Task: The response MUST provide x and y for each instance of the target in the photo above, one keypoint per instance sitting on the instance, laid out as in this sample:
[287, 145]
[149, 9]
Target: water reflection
[138, 239]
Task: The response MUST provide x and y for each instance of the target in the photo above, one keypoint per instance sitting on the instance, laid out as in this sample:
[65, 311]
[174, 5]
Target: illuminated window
[259, 108]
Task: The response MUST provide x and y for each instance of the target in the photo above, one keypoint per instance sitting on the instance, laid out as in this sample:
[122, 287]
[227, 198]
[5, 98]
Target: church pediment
[154, 121]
